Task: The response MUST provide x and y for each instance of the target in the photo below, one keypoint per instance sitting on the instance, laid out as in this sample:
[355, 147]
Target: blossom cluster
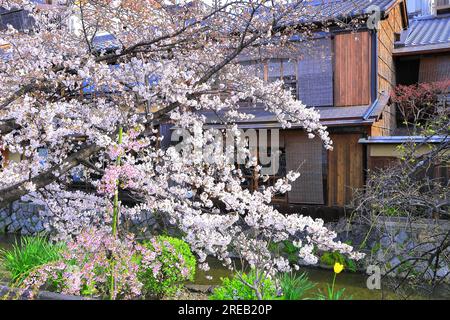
[118, 176]
[92, 260]
[61, 93]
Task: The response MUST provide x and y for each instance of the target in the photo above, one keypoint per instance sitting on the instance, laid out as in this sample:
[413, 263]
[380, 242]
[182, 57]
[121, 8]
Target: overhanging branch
[15, 192]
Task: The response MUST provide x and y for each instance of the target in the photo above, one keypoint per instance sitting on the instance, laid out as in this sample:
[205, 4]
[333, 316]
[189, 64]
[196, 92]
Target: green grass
[233, 288]
[27, 254]
[332, 294]
[295, 287]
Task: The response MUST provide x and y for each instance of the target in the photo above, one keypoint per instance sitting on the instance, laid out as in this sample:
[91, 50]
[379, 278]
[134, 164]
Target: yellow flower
[338, 267]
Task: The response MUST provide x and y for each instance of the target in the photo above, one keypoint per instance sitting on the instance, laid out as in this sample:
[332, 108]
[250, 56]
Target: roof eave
[403, 139]
[425, 49]
[350, 122]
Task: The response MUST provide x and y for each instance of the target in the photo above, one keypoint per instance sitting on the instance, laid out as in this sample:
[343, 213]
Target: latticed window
[307, 157]
[296, 153]
[255, 68]
[273, 171]
[308, 74]
[275, 69]
[315, 74]
[285, 70]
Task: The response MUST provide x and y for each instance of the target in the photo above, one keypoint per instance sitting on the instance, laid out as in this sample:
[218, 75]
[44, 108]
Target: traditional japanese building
[347, 76]
[421, 56]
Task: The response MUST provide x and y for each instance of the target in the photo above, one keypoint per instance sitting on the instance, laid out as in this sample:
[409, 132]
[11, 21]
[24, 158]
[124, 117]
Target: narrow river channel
[354, 283]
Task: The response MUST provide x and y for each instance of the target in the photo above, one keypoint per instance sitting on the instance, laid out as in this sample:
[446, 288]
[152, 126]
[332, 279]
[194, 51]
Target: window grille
[305, 156]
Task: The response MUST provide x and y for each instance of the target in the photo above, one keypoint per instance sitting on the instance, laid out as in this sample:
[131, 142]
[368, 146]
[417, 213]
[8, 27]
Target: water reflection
[354, 283]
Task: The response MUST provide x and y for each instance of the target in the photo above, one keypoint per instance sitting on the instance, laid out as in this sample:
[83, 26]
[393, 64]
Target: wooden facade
[345, 168]
[352, 87]
[384, 156]
[434, 68]
[383, 162]
[354, 61]
[389, 27]
[352, 69]
[386, 75]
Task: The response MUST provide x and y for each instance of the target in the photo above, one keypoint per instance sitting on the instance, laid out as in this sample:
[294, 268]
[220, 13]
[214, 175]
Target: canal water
[354, 283]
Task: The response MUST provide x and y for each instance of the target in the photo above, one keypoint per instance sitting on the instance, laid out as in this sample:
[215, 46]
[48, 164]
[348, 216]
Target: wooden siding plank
[332, 186]
[386, 68]
[341, 172]
[345, 168]
[434, 69]
[352, 69]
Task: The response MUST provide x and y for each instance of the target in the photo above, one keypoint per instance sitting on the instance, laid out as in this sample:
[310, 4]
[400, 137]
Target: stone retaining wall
[396, 239]
[28, 218]
[9, 293]
[22, 218]
[15, 294]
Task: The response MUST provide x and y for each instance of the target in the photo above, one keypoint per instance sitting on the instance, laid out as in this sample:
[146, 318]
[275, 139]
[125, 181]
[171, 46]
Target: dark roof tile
[430, 33]
[341, 9]
[427, 31]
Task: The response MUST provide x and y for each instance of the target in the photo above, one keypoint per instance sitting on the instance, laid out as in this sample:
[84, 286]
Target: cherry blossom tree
[63, 90]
